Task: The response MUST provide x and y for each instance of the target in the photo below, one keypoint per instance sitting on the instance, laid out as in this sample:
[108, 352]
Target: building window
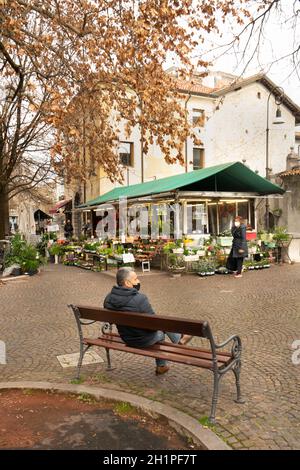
[126, 153]
[198, 117]
[259, 95]
[198, 158]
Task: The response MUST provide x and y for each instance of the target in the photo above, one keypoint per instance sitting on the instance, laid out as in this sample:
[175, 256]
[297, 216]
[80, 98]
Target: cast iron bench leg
[237, 370]
[109, 367]
[81, 355]
[217, 378]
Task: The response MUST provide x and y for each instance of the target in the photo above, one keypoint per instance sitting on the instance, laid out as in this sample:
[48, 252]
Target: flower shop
[180, 223]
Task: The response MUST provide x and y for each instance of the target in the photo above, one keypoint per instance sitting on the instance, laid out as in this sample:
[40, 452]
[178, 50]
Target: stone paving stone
[263, 308]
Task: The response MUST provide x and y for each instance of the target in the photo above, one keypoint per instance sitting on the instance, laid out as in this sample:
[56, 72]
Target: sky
[281, 36]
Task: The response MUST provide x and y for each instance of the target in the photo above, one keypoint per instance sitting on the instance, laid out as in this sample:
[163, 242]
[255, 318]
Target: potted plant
[280, 235]
[190, 255]
[56, 250]
[24, 255]
[221, 270]
[176, 264]
[225, 238]
[206, 267]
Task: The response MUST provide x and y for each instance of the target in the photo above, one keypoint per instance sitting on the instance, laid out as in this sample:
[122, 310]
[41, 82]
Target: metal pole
[267, 210]
[186, 142]
[278, 101]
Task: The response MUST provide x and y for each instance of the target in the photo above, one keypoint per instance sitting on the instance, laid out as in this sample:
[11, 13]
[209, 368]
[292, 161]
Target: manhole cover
[33, 419]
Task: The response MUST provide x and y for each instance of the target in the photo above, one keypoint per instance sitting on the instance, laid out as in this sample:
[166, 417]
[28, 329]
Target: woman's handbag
[231, 263]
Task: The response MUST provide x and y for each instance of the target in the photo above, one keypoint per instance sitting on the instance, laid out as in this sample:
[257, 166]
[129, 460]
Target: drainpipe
[186, 157]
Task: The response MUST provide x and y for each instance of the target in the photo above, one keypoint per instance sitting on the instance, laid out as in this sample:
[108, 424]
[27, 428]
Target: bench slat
[151, 352]
[146, 321]
[176, 348]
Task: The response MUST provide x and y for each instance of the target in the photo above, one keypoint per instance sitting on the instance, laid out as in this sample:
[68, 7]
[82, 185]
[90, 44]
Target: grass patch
[206, 424]
[86, 398]
[27, 391]
[77, 381]
[124, 408]
[101, 378]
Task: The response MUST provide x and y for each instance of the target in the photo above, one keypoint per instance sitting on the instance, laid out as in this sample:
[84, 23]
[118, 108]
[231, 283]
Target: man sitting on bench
[126, 296]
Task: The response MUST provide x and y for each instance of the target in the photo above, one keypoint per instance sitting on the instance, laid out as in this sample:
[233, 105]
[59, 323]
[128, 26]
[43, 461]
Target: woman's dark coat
[239, 242]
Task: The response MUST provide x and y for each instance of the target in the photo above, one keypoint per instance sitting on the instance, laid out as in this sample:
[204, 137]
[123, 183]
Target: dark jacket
[239, 242]
[130, 300]
[68, 228]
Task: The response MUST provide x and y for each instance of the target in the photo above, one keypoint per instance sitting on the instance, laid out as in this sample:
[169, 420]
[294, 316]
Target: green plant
[27, 391]
[225, 233]
[168, 247]
[124, 408]
[29, 265]
[42, 246]
[280, 234]
[23, 254]
[207, 265]
[179, 243]
[56, 249]
[175, 262]
[77, 381]
[105, 251]
[91, 246]
[86, 398]
[120, 249]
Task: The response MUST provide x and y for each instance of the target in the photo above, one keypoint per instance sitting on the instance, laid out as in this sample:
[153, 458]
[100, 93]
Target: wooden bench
[217, 361]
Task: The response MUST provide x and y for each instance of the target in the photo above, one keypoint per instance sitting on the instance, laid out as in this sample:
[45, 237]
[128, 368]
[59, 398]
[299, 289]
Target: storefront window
[197, 218]
[242, 210]
[226, 213]
[212, 218]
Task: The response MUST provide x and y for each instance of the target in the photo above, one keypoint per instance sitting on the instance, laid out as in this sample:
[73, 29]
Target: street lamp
[279, 94]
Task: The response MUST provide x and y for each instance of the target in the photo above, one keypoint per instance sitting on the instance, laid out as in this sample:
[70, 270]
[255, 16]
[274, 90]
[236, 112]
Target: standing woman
[239, 249]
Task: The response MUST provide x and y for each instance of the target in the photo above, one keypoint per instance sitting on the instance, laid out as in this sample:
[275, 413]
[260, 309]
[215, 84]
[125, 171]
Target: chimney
[292, 160]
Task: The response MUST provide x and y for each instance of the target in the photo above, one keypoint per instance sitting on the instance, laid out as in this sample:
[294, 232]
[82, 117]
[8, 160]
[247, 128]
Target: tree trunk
[4, 215]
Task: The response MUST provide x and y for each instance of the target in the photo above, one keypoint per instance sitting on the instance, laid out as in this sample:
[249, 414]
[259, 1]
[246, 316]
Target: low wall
[294, 248]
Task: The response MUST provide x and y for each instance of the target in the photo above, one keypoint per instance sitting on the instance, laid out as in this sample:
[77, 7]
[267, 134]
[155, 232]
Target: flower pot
[178, 250]
[177, 270]
[201, 252]
[56, 259]
[224, 241]
[31, 272]
[191, 257]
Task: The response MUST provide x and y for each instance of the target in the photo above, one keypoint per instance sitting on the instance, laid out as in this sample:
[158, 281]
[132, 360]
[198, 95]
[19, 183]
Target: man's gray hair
[123, 274]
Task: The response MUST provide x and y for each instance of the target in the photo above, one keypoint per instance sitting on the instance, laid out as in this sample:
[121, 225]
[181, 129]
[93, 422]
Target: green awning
[229, 177]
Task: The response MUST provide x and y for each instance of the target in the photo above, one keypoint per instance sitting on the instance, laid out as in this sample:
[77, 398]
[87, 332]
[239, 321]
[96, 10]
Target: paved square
[263, 307]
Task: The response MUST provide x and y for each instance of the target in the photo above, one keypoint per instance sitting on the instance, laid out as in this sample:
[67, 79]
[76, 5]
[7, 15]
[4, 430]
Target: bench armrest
[236, 348]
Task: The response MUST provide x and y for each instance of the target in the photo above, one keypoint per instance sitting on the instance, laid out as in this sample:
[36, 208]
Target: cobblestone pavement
[263, 307]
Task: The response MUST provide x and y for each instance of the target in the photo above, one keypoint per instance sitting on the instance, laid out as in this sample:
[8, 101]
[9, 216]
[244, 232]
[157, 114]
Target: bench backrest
[144, 321]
